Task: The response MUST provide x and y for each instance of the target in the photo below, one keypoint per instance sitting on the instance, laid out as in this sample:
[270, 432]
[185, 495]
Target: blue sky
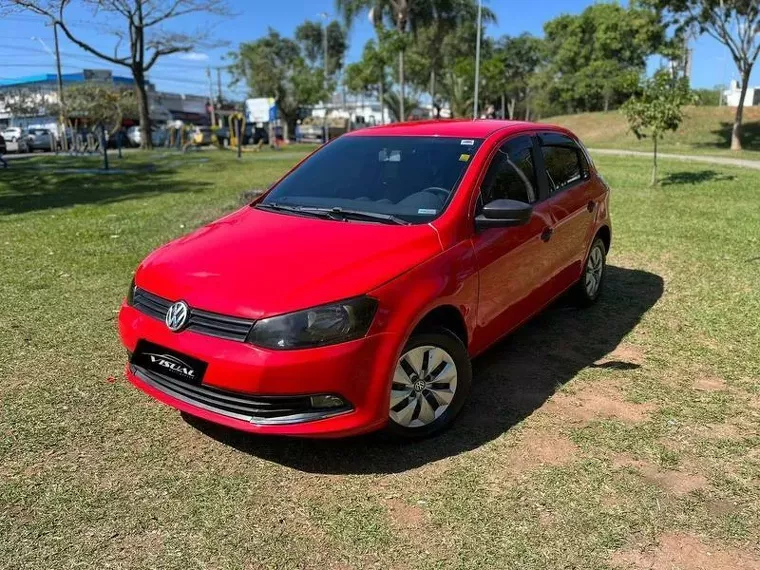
[21, 55]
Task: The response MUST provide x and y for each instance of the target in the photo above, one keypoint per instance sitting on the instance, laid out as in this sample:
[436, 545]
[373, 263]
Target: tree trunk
[402, 87]
[511, 108]
[736, 132]
[503, 110]
[606, 101]
[654, 163]
[382, 100]
[104, 144]
[433, 108]
[527, 105]
[143, 108]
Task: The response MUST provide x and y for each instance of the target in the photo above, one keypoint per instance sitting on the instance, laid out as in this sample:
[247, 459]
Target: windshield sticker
[427, 211]
[464, 157]
[467, 142]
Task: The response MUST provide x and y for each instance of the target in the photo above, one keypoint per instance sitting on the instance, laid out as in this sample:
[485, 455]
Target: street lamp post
[477, 61]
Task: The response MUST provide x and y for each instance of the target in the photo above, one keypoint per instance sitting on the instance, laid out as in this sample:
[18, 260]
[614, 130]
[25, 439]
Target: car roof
[458, 128]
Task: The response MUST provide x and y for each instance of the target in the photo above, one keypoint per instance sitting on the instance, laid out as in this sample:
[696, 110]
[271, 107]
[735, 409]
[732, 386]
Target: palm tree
[397, 11]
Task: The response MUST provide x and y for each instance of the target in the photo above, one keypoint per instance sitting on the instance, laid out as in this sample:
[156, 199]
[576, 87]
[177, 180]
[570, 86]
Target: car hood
[255, 264]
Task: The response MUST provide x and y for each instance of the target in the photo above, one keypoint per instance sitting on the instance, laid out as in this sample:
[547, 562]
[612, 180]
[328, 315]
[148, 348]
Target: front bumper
[358, 371]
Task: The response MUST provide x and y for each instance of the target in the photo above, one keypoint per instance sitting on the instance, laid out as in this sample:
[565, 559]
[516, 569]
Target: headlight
[327, 324]
[131, 293]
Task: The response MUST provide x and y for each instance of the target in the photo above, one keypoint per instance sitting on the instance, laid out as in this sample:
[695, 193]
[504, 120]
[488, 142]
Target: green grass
[590, 432]
[705, 130]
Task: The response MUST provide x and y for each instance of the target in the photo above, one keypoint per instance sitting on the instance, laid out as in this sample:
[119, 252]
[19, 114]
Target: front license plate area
[169, 362]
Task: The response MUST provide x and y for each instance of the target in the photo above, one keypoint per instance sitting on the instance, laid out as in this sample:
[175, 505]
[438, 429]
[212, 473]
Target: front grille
[249, 408]
[204, 322]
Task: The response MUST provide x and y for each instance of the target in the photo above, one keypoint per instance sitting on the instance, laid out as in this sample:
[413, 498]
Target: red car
[353, 294]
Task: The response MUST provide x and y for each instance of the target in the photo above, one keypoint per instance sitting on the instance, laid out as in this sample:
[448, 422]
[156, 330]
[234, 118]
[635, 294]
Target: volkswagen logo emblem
[176, 316]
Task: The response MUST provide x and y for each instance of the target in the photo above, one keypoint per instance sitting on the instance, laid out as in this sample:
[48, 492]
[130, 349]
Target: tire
[589, 286]
[412, 397]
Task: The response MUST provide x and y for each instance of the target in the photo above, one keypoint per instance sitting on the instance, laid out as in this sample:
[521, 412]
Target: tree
[734, 23]
[591, 57]
[519, 58]
[310, 36]
[436, 21]
[658, 108]
[100, 106]
[395, 106]
[368, 74]
[273, 66]
[397, 12]
[142, 23]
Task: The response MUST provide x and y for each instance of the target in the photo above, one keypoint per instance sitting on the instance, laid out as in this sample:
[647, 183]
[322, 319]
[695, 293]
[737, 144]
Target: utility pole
[211, 97]
[219, 84]
[477, 61]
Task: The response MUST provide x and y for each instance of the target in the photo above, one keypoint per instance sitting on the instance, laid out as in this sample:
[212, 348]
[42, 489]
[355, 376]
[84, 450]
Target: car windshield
[409, 178]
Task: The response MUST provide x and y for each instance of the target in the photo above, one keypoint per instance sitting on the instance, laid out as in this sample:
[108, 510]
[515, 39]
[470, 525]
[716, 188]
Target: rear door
[512, 262]
[571, 204]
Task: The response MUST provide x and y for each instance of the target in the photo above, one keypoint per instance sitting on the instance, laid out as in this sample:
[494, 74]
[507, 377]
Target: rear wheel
[590, 284]
[430, 385]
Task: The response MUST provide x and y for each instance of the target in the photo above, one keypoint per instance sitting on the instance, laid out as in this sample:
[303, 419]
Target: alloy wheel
[594, 268]
[423, 387]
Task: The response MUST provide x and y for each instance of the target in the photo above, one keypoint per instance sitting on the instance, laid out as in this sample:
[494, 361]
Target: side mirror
[503, 214]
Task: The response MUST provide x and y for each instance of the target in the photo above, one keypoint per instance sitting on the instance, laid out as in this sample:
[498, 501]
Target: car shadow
[511, 380]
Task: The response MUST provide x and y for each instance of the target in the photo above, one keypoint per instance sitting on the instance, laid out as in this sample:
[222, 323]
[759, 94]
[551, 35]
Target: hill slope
[705, 130]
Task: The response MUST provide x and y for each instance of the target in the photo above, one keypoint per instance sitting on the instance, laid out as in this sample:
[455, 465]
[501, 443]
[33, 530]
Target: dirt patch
[709, 384]
[627, 352]
[535, 449]
[598, 401]
[679, 483]
[404, 515]
[679, 551]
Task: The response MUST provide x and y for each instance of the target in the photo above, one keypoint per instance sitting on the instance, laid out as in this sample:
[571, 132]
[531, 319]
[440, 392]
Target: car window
[564, 164]
[512, 174]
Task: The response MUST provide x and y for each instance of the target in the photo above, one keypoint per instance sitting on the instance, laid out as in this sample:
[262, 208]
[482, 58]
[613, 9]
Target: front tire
[430, 385]
[589, 287]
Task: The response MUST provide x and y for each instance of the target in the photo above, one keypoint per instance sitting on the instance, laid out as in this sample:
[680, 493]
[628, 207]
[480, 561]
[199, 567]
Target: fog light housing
[327, 401]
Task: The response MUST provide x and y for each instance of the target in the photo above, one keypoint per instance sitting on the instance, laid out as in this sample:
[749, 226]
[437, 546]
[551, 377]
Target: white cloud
[194, 56]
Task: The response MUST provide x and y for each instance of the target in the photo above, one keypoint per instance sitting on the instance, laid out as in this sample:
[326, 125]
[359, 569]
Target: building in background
[25, 101]
[732, 95]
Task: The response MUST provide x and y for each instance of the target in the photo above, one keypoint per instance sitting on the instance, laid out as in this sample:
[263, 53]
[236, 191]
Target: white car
[12, 134]
[158, 136]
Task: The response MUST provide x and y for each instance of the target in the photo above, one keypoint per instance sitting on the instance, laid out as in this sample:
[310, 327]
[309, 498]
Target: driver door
[513, 265]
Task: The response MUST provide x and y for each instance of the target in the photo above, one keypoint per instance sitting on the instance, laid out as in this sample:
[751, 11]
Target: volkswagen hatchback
[353, 294]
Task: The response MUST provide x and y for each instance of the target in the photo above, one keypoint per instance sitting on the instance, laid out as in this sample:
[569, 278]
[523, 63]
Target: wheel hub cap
[424, 384]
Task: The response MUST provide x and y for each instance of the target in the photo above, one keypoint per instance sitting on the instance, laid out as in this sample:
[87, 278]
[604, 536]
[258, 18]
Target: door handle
[546, 235]
[591, 205]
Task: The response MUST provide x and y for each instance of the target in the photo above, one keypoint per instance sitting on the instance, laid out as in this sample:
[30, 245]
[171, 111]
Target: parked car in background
[40, 139]
[158, 136]
[393, 256]
[12, 134]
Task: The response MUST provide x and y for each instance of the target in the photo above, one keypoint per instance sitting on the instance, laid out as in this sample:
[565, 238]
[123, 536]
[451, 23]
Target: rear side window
[564, 161]
[512, 174]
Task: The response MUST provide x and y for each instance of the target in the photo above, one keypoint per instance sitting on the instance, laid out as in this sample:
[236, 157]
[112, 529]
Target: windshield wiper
[336, 213]
[296, 210]
[339, 213]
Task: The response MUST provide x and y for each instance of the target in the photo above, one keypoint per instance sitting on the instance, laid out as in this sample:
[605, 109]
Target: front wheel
[430, 385]
[590, 284]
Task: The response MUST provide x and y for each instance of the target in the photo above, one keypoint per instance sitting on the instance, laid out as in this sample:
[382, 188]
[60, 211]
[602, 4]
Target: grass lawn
[705, 130]
[622, 436]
